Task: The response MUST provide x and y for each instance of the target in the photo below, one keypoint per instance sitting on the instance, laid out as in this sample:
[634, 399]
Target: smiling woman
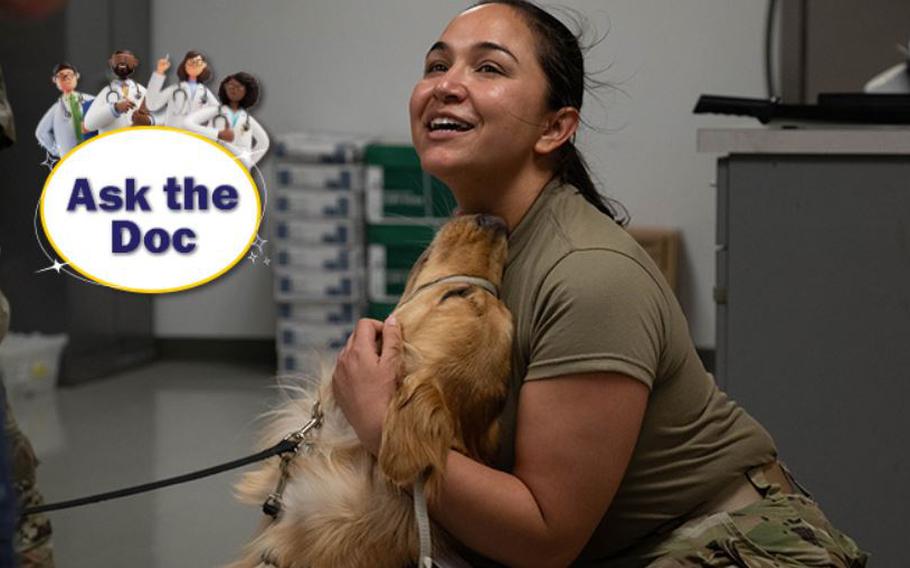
[617, 448]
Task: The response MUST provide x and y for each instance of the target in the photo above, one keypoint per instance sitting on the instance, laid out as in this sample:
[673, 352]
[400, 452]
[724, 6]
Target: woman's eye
[435, 67]
[489, 68]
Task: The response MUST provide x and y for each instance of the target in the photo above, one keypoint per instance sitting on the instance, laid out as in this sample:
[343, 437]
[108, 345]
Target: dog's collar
[457, 278]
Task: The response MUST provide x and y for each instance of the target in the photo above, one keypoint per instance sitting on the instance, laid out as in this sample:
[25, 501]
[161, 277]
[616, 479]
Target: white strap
[423, 525]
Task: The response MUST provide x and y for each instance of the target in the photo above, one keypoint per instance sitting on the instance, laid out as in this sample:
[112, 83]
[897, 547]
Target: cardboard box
[662, 245]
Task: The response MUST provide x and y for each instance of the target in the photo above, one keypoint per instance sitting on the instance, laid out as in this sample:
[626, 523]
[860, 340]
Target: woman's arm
[197, 121]
[575, 436]
[156, 94]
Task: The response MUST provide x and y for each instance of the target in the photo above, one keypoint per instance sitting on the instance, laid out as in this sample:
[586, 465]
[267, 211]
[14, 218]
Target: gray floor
[155, 422]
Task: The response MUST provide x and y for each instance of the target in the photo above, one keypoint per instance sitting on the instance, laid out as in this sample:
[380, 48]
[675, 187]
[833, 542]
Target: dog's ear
[417, 433]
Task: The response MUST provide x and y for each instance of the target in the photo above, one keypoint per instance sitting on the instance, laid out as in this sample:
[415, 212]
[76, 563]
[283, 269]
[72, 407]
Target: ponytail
[573, 169]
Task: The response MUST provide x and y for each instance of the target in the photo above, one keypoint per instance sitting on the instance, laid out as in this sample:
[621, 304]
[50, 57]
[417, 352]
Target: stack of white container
[318, 256]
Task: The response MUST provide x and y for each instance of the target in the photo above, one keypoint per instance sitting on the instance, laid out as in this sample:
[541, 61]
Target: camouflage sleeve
[4, 316]
[7, 127]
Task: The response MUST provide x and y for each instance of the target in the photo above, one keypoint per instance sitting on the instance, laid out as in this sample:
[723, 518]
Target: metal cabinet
[813, 325]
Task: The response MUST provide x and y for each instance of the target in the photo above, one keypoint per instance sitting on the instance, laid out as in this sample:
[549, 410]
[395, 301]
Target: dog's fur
[344, 508]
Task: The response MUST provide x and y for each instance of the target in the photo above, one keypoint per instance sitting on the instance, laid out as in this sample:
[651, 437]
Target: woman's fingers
[390, 355]
[362, 385]
[365, 337]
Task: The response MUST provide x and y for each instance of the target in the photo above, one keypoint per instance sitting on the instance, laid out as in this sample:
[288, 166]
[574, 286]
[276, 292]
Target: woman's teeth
[449, 124]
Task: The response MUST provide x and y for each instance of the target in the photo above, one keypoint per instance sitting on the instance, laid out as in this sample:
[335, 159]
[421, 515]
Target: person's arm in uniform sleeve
[198, 120]
[260, 142]
[579, 416]
[7, 124]
[101, 113]
[598, 310]
[44, 132]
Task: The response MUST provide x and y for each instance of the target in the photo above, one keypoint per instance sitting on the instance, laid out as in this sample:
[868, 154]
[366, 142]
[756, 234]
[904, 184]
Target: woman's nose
[450, 88]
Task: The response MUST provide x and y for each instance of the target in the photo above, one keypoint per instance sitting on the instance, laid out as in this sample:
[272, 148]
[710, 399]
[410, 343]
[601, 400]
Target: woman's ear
[560, 128]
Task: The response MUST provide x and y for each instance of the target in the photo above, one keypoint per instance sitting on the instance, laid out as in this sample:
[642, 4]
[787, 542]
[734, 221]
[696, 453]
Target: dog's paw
[417, 433]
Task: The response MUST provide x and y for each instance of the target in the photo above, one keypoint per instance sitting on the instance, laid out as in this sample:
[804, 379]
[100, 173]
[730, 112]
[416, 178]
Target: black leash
[288, 444]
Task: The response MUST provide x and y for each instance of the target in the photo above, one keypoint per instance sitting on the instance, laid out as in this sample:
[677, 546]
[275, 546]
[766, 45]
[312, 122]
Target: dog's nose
[491, 222]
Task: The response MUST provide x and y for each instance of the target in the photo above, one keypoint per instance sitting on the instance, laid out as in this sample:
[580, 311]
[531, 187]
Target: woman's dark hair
[248, 81]
[561, 57]
[181, 69]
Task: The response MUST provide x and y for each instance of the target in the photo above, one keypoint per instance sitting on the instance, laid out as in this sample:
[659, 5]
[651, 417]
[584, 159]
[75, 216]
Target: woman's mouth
[445, 127]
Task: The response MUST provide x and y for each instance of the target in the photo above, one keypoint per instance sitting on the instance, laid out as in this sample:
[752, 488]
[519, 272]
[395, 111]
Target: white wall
[349, 65]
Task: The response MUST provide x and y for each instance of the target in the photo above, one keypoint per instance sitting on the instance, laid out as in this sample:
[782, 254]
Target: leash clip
[300, 439]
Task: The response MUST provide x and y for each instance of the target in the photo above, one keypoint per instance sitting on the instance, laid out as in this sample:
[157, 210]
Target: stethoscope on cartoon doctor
[181, 90]
[117, 97]
[225, 122]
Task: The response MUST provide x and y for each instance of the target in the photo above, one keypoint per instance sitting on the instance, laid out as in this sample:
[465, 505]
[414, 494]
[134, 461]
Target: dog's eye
[457, 292]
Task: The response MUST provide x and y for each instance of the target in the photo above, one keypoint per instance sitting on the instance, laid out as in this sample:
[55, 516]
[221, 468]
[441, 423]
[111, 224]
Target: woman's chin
[445, 168]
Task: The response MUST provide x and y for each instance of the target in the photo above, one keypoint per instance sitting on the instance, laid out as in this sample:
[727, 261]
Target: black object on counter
[855, 108]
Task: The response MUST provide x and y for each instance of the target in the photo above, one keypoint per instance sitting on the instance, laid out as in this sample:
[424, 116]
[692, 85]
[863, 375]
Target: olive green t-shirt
[585, 297]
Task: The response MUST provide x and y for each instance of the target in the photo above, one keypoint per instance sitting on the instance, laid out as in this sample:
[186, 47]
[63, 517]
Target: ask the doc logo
[150, 210]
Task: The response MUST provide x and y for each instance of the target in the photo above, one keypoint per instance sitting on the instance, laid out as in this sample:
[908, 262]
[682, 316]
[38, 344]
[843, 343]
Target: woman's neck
[508, 198]
[234, 106]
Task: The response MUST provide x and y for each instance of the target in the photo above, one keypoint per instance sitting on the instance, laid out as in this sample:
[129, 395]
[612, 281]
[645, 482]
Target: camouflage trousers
[31, 541]
[779, 530]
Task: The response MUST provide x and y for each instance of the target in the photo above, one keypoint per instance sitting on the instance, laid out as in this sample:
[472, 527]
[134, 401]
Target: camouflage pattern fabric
[33, 533]
[7, 127]
[32, 539]
[780, 530]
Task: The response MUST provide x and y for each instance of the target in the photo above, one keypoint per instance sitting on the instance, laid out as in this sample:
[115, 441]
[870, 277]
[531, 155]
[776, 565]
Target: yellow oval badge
[150, 209]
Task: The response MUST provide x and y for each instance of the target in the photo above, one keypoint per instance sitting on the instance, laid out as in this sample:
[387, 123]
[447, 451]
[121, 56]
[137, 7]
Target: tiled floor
[147, 424]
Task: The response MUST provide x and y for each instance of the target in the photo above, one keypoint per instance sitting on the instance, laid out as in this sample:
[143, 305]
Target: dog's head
[469, 245]
[446, 300]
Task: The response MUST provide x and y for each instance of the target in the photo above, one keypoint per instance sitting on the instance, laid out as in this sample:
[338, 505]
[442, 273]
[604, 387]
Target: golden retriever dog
[343, 508]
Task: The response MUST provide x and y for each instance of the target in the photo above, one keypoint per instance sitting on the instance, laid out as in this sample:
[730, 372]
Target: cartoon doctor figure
[60, 129]
[231, 123]
[122, 102]
[188, 95]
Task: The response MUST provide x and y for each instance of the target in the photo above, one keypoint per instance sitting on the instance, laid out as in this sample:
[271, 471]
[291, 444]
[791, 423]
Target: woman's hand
[228, 136]
[163, 65]
[366, 376]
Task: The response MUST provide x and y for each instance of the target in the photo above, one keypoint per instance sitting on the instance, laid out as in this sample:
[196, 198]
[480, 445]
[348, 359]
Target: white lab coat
[102, 116]
[159, 97]
[55, 131]
[251, 141]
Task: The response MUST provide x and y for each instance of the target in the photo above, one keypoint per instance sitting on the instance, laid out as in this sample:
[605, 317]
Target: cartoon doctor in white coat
[122, 102]
[60, 129]
[230, 123]
[185, 97]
